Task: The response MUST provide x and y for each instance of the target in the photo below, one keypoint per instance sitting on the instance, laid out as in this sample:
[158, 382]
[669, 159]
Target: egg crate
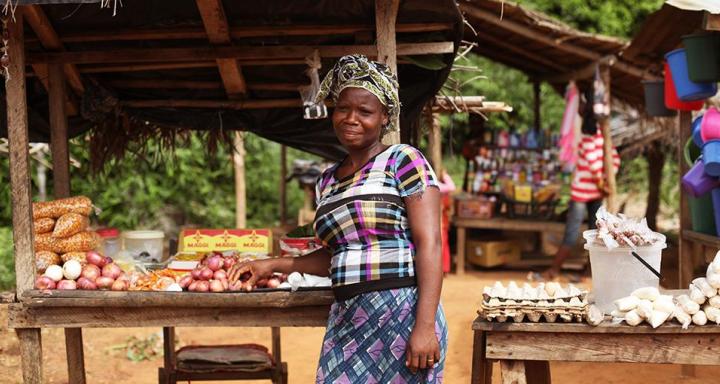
[550, 316]
[551, 302]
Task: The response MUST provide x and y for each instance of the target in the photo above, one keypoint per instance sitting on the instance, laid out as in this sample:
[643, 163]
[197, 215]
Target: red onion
[119, 285]
[206, 274]
[216, 286]
[283, 277]
[195, 273]
[108, 260]
[104, 282]
[112, 271]
[236, 286]
[229, 262]
[67, 285]
[273, 282]
[44, 282]
[124, 277]
[215, 263]
[202, 286]
[193, 286]
[91, 272]
[220, 275]
[185, 281]
[95, 258]
[86, 284]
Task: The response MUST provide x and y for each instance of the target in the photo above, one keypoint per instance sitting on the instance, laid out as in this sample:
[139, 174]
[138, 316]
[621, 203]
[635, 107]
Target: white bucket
[145, 246]
[616, 273]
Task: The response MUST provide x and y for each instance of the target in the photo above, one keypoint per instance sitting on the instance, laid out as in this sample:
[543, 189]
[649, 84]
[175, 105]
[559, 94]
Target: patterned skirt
[366, 339]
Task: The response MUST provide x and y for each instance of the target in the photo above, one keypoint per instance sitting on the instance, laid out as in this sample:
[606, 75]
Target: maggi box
[247, 242]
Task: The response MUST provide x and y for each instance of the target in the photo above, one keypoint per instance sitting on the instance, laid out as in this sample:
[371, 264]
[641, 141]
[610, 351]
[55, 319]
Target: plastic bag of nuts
[80, 257]
[56, 208]
[44, 259]
[70, 224]
[43, 225]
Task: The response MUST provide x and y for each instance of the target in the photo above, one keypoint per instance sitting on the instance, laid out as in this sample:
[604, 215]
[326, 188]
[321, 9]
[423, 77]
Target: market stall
[515, 178]
[235, 68]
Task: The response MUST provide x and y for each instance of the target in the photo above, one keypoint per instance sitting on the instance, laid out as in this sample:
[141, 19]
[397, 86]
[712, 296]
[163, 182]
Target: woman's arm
[424, 219]
[315, 263]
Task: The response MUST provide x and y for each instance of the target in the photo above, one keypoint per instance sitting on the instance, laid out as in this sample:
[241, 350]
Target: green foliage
[7, 263]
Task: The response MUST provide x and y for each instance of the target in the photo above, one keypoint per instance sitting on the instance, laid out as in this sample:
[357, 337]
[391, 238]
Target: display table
[74, 310]
[524, 350]
[462, 224]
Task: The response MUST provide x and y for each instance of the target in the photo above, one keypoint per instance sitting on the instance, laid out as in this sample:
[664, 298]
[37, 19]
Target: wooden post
[481, 368]
[169, 348]
[276, 347]
[58, 131]
[608, 147]
[239, 163]
[460, 251]
[536, 92]
[21, 194]
[685, 260]
[434, 141]
[283, 184]
[385, 17]
[75, 355]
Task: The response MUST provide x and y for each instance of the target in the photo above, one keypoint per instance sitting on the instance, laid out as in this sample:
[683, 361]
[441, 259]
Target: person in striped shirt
[587, 190]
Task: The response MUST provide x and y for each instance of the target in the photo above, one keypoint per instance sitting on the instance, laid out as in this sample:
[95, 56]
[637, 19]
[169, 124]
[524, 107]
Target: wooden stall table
[73, 310]
[463, 223]
[524, 350]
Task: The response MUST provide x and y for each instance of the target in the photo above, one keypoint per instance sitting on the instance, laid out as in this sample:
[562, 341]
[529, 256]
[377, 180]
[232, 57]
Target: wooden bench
[524, 350]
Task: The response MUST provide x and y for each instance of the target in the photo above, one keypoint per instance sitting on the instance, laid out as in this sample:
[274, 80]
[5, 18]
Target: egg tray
[518, 316]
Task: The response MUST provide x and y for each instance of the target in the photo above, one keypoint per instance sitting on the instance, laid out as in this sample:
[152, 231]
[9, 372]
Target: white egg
[72, 269]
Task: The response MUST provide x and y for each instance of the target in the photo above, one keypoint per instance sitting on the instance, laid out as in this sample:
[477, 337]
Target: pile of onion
[100, 272]
[211, 275]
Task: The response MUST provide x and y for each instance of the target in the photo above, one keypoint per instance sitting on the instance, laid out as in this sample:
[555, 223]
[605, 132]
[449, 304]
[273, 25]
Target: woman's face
[358, 118]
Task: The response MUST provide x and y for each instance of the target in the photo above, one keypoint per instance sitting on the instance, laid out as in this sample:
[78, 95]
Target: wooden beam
[283, 184]
[146, 67]
[74, 351]
[140, 55]
[711, 22]
[49, 39]
[685, 254]
[242, 32]
[30, 341]
[239, 167]
[434, 141]
[387, 52]
[536, 105]
[218, 32]
[59, 132]
[214, 104]
[608, 145]
[505, 46]
[193, 84]
[21, 193]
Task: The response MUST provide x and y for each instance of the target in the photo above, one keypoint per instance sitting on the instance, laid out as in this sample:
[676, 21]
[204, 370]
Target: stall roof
[158, 67]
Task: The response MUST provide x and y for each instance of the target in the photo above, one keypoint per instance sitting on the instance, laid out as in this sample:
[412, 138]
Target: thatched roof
[158, 67]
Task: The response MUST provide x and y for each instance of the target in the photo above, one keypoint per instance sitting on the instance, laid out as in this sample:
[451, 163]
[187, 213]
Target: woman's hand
[423, 348]
[258, 269]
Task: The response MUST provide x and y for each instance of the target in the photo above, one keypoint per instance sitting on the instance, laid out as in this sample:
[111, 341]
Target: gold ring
[430, 360]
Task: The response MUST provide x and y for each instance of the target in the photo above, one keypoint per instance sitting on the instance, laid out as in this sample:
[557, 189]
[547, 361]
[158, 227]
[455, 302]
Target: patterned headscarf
[358, 71]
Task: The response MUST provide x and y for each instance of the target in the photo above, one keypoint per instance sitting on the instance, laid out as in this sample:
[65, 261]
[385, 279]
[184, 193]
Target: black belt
[345, 292]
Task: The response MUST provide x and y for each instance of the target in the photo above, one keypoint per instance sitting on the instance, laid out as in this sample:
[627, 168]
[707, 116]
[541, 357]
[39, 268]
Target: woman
[378, 219]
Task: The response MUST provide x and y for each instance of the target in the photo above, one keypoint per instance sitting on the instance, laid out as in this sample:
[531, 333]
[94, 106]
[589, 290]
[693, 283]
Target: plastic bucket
[716, 213]
[671, 99]
[703, 57]
[696, 133]
[687, 90]
[701, 208]
[616, 273]
[144, 246]
[696, 182]
[655, 99]
[711, 157]
[710, 125]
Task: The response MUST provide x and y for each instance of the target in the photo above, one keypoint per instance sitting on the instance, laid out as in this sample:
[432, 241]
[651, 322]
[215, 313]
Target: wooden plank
[59, 132]
[385, 18]
[521, 51]
[685, 260]
[21, 193]
[226, 104]
[460, 251]
[481, 367]
[138, 299]
[20, 316]
[536, 106]
[512, 372]
[146, 67]
[7, 297]
[75, 355]
[509, 224]
[607, 327]
[276, 346]
[434, 141]
[608, 159]
[30, 342]
[283, 184]
[140, 55]
[238, 157]
[190, 33]
[611, 348]
[194, 84]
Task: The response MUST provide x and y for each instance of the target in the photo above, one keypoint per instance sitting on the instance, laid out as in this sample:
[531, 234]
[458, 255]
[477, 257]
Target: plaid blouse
[362, 219]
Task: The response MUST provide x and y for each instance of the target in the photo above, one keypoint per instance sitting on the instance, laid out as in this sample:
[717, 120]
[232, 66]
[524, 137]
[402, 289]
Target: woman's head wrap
[358, 71]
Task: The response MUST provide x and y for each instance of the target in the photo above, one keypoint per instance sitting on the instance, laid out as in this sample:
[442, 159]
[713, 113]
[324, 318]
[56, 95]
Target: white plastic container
[144, 246]
[616, 273]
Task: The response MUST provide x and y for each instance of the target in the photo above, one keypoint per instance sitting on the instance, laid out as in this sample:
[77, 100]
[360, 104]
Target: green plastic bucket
[703, 56]
[701, 208]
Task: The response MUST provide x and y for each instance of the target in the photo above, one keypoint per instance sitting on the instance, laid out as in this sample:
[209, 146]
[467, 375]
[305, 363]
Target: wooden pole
[240, 197]
[58, 131]
[608, 147]
[21, 194]
[283, 185]
[385, 17]
[536, 92]
[434, 141]
[685, 259]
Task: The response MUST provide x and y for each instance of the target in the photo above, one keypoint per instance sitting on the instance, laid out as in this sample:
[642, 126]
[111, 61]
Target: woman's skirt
[366, 338]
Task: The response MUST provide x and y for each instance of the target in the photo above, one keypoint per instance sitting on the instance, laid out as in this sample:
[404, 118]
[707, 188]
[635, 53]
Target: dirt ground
[301, 346]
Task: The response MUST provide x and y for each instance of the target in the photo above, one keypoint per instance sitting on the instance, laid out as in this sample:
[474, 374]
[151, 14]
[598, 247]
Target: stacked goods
[97, 272]
[549, 301]
[61, 231]
[700, 306]
[211, 275]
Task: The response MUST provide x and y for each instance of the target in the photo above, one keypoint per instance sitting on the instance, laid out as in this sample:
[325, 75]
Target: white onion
[72, 269]
[54, 272]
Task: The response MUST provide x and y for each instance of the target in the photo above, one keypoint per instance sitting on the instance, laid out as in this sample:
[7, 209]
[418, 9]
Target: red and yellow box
[248, 241]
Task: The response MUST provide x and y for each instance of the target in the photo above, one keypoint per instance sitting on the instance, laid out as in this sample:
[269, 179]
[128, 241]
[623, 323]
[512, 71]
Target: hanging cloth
[568, 141]
[601, 99]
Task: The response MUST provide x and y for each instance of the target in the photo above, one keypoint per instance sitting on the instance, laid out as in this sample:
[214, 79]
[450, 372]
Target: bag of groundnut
[43, 225]
[56, 208]
[44, 259]
[70, 224]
